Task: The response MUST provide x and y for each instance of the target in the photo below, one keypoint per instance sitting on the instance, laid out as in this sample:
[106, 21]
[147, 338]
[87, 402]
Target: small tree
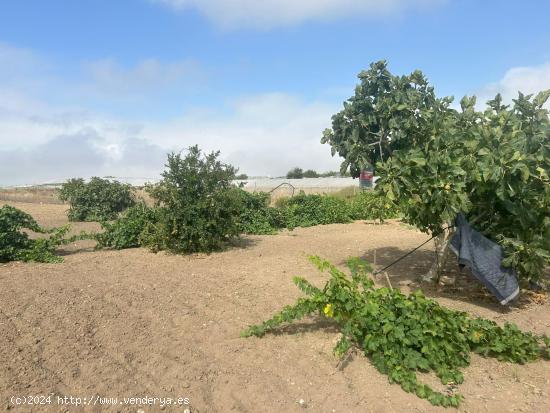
[197, 206]
[435, 162]
[310, 173]
[97, 200]
[295, 173]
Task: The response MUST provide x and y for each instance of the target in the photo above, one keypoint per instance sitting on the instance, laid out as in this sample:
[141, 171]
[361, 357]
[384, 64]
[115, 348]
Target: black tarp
[484, 258]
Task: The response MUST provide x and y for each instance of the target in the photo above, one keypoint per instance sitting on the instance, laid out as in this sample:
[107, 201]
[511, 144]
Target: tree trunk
[442, 243]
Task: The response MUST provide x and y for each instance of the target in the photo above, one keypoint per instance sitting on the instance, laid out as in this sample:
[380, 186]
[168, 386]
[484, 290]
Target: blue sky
[98, 87]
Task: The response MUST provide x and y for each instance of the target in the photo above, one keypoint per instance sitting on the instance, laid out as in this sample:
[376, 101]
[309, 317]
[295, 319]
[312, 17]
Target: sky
[102, 87]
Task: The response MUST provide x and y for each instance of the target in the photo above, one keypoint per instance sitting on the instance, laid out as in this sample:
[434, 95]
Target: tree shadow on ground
[460, 284]
[64, 252]
[77, 247]
[307, 326]
[88, 246]
[242, 242]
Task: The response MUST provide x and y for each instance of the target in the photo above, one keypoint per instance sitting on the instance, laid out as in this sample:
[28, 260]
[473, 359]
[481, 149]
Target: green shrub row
[309, 210]
[198, 209]
[153, 227]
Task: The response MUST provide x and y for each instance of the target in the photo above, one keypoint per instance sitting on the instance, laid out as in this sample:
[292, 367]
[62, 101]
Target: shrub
[295, 173]
[404, 334]
[370, 205]
[256, 216]
[309, 210]
[310, 173]
[97, 200]
[197, 208]
[126, 231]
[15, 244]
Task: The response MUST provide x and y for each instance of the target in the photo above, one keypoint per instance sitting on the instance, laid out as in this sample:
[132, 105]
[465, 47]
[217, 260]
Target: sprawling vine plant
[15, 243]
[403, 334]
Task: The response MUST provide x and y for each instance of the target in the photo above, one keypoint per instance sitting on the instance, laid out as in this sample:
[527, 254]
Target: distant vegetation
[195, 208]
[97, 200]
[308, 210]
[299, 173]
[295, 173]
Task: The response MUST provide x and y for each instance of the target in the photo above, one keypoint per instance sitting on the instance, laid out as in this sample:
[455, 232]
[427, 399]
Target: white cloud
[14, 60]
[147, 76]
[265, 14]
[43, 141]
[84, 153]
[527, 79]
[262, 134]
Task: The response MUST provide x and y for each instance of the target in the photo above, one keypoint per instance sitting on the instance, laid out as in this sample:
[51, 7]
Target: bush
[256, 216]
[245, 212]
[15, 244]
[310, 173]
[126, 231]
[97, 200]
[370, 205]
[197, 208]
[295, 173]
[309, 210]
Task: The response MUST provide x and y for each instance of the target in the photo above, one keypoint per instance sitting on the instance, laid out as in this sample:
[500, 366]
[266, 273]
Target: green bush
[197, 207]
[15, 244]
[295, 173]
[308, 210]
[256, 216]
[126, 231]
[97, 200]
[310, 173]
[369, 205]
[194, 217]
[304, 210]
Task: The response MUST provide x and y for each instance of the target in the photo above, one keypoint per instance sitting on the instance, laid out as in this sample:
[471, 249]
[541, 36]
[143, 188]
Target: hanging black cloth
[484, 258]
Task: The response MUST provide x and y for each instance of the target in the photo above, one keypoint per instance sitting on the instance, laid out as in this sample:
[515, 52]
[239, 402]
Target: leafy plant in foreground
[403, 334]
[15, 243]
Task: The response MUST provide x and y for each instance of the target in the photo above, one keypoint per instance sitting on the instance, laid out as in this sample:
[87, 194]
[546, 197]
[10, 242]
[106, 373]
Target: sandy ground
[132, 323]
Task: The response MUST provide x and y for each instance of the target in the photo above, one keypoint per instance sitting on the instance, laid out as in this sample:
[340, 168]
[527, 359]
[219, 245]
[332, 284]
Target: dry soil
[131, 323]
